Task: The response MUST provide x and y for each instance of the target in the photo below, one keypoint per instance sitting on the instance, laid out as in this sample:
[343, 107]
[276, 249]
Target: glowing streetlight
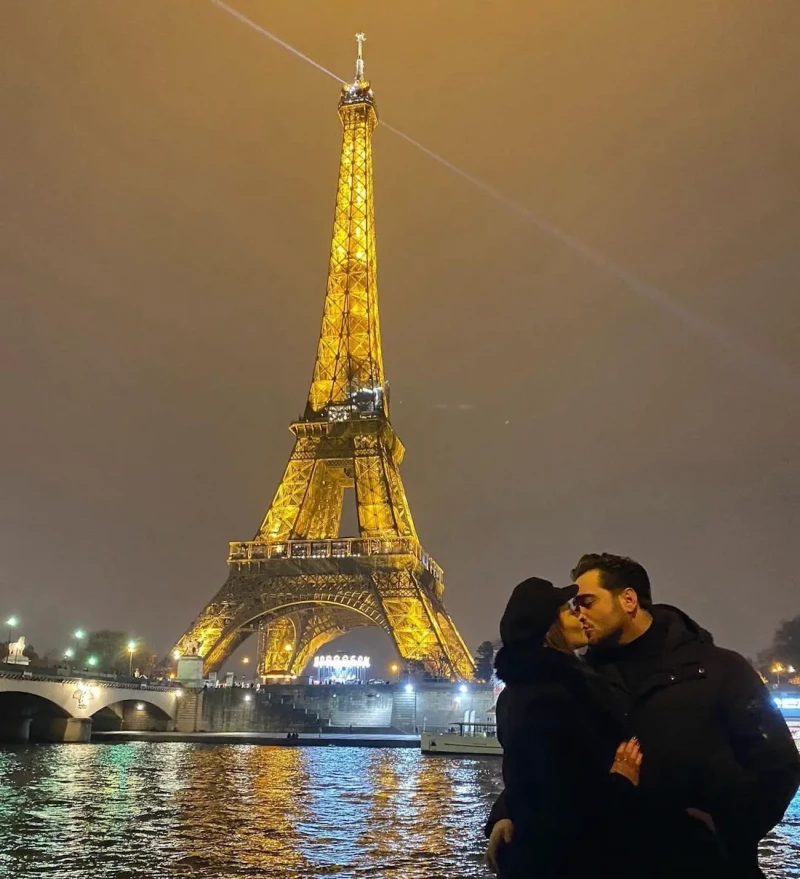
[790, 669]
[176, 655]
[91, 661]
[77, 636]
[12, 622]
[777, 669]
[131, 651]
[69, 653]
[245, 660]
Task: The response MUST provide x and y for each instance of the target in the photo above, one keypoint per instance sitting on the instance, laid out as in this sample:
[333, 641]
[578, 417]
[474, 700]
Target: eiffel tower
[298, 584]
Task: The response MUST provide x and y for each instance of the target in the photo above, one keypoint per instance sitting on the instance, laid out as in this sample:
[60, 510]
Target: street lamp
[131, 651]
[776, 669]
[394, 668]
[12, 623]
[245, 660]
[91, 661]
[69, 653]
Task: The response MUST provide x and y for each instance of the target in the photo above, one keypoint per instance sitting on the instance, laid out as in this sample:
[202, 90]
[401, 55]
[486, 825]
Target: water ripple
[178, 811]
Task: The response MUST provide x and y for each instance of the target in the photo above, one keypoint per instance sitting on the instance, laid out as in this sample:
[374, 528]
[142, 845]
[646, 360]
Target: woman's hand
[501, 835]
[628, 761]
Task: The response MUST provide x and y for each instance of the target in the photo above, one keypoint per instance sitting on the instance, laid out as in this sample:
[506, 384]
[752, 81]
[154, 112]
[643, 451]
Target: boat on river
[463, 739]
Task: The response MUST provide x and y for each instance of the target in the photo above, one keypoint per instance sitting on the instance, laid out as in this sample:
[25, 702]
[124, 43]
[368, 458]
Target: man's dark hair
[618, 572]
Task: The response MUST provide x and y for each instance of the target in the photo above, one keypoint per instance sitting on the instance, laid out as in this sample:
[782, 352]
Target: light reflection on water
[176, 810]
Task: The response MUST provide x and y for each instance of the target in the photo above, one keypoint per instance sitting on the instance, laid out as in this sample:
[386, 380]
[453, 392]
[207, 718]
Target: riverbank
[341, 740]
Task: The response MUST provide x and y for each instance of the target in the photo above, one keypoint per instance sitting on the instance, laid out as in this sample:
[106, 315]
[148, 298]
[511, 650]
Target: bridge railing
[345, 547]
[72, 676]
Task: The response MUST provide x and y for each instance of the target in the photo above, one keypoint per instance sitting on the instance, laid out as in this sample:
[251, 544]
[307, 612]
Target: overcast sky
[167, 177]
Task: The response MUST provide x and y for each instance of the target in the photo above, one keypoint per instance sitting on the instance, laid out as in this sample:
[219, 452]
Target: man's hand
[502, 833]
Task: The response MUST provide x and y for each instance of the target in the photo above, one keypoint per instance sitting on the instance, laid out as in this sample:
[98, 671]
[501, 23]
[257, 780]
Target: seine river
[159, 811]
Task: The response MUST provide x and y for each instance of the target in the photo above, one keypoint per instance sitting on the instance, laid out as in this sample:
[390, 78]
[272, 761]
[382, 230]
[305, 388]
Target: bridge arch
[137, 714]
[78, 699]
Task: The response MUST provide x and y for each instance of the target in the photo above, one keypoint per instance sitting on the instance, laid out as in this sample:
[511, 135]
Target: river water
[163, 811]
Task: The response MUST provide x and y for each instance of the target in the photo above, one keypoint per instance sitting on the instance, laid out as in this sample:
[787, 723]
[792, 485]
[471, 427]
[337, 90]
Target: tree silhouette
[785, 649]
[484, 658]
[110, 649]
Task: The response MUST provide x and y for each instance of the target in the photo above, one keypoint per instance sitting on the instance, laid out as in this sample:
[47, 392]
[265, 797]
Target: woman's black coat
[557, 725]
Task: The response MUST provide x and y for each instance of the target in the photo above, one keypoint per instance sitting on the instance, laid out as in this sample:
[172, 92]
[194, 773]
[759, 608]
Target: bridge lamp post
[394, 668]
[91, 661]
[69, 653]
[776, 669]
[78, 635]
[12, 623]
[131, 651]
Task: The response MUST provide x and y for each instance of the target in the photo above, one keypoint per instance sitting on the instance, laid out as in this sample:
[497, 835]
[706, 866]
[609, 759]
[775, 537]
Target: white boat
[467, 739]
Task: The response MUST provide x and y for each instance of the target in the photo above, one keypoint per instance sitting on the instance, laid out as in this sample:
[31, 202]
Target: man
[714, 744]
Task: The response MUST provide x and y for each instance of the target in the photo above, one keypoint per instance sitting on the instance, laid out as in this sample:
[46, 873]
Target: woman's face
[569, 620]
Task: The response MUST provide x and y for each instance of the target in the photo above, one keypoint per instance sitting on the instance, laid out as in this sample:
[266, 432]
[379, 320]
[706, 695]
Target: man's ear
[629, 601]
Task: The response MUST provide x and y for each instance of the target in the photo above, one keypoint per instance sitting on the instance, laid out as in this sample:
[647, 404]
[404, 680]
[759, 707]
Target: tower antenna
[360, 38]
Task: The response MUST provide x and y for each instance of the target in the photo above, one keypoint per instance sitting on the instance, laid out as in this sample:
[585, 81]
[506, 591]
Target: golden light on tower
[300, 582]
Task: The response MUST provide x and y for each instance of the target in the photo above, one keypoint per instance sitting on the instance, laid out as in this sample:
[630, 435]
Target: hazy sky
[167, 178]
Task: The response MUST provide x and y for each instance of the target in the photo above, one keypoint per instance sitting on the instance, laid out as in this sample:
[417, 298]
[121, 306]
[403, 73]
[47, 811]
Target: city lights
[91, 661]
[131, 651]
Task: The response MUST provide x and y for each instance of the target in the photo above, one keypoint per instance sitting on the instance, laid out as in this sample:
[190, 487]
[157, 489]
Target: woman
[570, 775]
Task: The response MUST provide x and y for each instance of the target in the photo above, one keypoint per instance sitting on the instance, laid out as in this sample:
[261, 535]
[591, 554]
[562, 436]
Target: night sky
[167, 178]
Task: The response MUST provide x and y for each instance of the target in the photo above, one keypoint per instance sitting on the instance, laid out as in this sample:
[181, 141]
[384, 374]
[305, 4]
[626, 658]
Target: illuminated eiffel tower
[298, 584]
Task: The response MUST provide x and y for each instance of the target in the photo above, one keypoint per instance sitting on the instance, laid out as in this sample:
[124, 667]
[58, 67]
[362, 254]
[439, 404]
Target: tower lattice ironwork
[298, 584]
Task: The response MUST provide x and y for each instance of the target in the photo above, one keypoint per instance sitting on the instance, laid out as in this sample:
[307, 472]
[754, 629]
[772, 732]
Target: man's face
[601, 612]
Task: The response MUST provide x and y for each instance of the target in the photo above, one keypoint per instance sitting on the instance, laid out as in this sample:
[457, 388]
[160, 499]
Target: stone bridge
[45, 706]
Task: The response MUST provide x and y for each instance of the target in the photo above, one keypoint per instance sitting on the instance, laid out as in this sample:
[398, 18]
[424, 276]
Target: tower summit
[300, 583]
[348, 372]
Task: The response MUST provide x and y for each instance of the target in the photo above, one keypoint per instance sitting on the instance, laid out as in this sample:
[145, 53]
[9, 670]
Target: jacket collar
[527, 662]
